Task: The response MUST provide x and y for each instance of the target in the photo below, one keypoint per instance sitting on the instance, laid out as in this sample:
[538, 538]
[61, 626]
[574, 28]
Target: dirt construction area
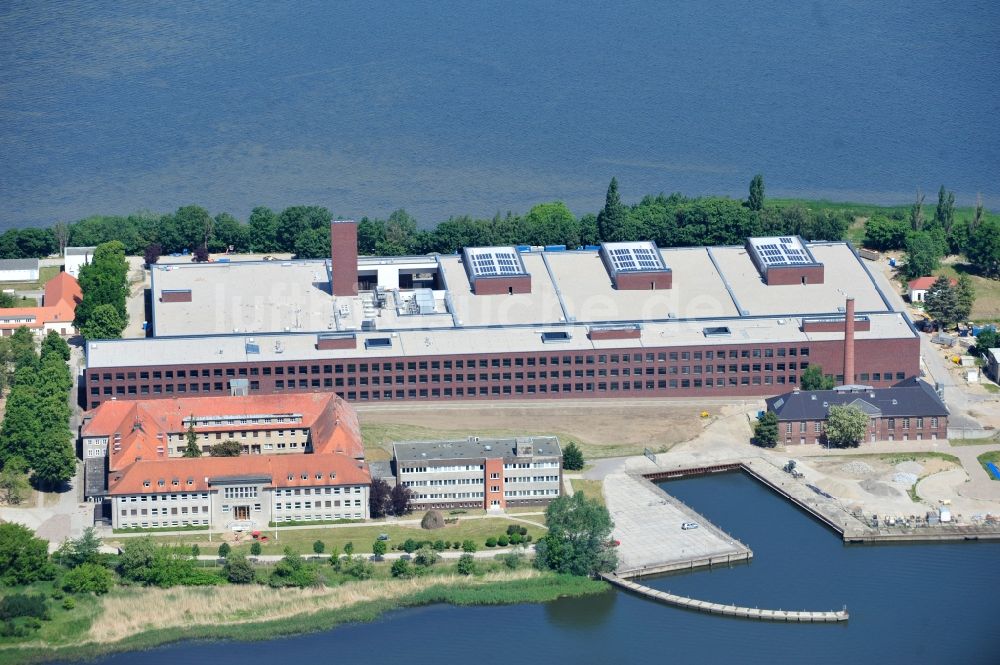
[609, 428]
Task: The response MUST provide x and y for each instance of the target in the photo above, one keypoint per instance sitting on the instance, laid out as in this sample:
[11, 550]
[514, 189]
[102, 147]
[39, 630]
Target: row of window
[309, 517]
[183, 510]
[155, 524]
[531, 479]
[308, 505]
[423, 365]
[891, 423]
[514, 493]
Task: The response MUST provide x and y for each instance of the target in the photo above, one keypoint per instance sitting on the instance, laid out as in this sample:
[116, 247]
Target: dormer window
[145, 483]
[160, 482]
[333, 474]
[319, 476]
[305, 476]
[291, 477]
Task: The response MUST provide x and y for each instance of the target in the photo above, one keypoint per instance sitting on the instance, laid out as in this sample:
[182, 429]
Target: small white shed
[18, 270]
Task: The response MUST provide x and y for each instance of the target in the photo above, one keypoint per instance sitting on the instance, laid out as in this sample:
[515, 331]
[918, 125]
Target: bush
[491, 542]
[292, 570]
[469, 547]
[527, 538]
[349, 549]
[503, 541]
[401, 568]
[23, 605]
[426, 557]
[359, 568]
[69, 603]
[238, 570]
[319, 547]
[447, 544]
[89, 578]
[466, 564]
[516, 538]
[456, 545]
[513, 559]
[439, 545]
[255, 548]
[432, 520]
[57, 594]
[378, 548]
[224, 550]
[195, 551]
[410, 546]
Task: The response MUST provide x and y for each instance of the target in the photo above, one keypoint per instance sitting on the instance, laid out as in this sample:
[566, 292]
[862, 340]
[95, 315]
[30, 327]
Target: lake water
[449, 107]
[909, 604]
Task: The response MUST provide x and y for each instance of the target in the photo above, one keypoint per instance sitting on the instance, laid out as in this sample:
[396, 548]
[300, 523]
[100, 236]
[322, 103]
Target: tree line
[928, 236]
[671, 221]
[35, 435]
[103, 314]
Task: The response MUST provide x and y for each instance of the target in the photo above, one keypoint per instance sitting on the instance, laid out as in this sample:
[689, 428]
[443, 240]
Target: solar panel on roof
[634, 258]
[490, 263]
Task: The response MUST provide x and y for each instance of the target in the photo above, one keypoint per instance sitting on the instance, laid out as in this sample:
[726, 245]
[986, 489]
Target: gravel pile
[910, 467]
[857, 467]
[904, 478]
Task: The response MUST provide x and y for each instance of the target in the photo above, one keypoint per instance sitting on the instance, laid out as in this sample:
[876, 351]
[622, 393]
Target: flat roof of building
[472, 448]
[18, 264]
[220, 349]
[280, 307]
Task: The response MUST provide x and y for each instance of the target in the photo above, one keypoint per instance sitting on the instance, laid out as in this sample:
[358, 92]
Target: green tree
[466, 564]
[23, 558]
[882, 233]
[917, 213]
[378, 549]
[89, 578]
[756, 198]
[845, 426]
[54, 461]
[402, 569]
[14, 486]
[572, 457]
[983, 249]
[941, 302]
[349, 549]
[238, 570]
[262, 229]
[922, 254]
[76, 552]
[578, 538]
[191, 449]
[255, 548]
[56, 346]
[426, 557]
[550, 224]
[944, 214]
[814, 379]
[312, 244]
[104, 281]
[224, 550]
[469, 546]
[359, 568]
[611, 221]
[965, 294]
[227, 448]
[319, 547]
[103, 323]
[765, 430]
[7, 300]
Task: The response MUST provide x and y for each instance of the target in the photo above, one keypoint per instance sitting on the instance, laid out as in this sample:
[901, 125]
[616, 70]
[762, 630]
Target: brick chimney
[344, 257]
[849, 342]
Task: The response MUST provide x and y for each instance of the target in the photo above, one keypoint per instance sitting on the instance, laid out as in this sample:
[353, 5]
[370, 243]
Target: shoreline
[512, 588]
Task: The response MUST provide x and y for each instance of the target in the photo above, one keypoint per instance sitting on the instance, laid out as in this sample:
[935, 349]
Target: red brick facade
[344, 258]
[741, 370]
[495, 286]
[494, 484]
[880, 429]
[644, 281]
[785, 275]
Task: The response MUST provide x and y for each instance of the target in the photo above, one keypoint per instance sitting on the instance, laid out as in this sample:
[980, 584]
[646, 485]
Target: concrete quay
[648, 526]
[829, 510]
[789, 616]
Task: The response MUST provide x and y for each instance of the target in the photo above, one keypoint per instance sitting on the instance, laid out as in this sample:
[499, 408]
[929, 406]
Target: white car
[687, 526]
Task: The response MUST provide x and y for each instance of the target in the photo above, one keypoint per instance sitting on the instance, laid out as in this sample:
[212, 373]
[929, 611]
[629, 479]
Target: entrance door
[242, 512]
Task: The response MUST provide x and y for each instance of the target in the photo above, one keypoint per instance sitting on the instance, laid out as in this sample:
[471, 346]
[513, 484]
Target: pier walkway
[790, 616]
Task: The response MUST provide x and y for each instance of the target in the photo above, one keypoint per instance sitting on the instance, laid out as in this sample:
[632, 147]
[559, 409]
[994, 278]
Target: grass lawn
[990, 387]
[301, 540]
[65, 626]
[896, 458]
[986, 458]
[973, 442]
[45, 273]
[590, 488]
